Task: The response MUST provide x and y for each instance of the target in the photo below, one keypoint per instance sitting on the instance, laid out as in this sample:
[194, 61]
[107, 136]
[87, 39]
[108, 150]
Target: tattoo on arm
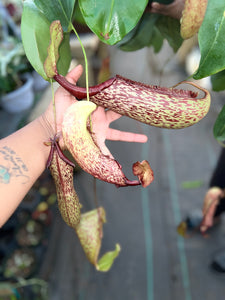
[13, 167]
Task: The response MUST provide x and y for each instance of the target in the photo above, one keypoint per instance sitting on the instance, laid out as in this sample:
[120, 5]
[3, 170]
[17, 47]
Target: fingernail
[155, 5]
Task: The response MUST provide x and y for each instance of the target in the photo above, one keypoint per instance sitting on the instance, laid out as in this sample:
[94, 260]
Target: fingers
[112, 116]
[158, 8]
[208, 219]
[75, 74]
[118, 135]
[124, 136]
[211, 201]
[104, 149]
[72, 77]
[173, 10]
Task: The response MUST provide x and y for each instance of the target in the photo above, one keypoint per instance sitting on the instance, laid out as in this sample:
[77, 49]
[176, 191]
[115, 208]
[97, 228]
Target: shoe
[191, 223]
[218, 263]
[194, 219]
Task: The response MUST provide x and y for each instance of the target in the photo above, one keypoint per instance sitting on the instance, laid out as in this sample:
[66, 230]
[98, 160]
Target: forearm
[23, 158]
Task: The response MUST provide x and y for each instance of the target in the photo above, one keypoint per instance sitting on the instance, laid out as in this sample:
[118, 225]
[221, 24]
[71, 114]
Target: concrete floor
[155, 263]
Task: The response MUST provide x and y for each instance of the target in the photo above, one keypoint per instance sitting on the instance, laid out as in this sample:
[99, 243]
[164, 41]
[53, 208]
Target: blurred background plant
[13, 64]
[13, 61]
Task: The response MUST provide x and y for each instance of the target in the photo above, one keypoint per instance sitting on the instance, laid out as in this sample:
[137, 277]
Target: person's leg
[218, 180]
[214, 201]
[218, 176]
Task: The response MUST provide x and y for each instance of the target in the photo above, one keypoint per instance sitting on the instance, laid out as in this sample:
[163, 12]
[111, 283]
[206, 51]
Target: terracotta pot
[21, 99]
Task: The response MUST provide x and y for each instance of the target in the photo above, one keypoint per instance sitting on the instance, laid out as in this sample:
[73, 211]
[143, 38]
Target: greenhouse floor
[155, 262]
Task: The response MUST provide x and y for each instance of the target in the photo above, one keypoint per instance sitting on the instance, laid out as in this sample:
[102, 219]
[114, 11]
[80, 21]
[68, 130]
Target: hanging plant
[46, 25]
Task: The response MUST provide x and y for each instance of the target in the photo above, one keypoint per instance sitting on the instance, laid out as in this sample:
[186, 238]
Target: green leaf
[77, 16]
[218, 81]
[142, 35]
[219, 126]
[112, 20]
[212, 40]
[64, 55]
[105, 262]
[36, 36]
[157, 40]
[170, 30]
[61, 10]
[191, 184]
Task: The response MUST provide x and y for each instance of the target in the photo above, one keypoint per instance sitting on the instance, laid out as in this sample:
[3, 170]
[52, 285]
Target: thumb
[74, 74]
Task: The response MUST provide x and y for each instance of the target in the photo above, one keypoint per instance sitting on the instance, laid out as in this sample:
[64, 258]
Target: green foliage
[151, 30]
[61, 10]
[112, 20]
[78, 17]
[193, 184]
[141, 35]
[212, 40]
[13, 64]
[126, 23]
[218, 81]
[122, 22]
[36, 36]
[170, 30]
[219, 126]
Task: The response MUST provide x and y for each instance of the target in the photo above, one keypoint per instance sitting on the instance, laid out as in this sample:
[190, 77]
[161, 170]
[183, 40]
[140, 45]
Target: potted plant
[15, 79]
[16, 83]
[130, 25]
[21, 263]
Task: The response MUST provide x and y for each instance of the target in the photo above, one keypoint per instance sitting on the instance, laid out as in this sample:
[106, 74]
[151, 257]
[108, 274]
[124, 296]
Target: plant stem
[26, 282]
[53, 104]
[95, 192]
[85, 60]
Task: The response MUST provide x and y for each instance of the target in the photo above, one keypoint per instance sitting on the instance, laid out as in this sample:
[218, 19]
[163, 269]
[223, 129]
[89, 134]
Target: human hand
[173, 10]
[211, 201]
[101, 118]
